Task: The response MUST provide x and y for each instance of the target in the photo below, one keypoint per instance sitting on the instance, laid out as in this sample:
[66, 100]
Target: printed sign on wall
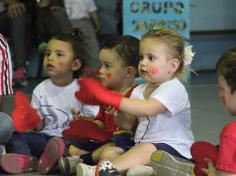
[139, 16]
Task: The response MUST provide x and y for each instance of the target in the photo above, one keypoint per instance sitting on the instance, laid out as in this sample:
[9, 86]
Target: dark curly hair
[75, 39]
[127, 47]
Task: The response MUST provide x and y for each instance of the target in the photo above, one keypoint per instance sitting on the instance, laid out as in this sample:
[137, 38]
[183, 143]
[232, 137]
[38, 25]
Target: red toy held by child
[24, 116]
[94, 93]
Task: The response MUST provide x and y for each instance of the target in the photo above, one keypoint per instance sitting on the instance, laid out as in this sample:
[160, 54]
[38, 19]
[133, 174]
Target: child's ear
[131, 71]
[76, 64]
[174, 65]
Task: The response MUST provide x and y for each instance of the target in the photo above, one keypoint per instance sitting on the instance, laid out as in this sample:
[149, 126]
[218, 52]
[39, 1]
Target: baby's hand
[211, 171]
[110, 110]
[75, 114]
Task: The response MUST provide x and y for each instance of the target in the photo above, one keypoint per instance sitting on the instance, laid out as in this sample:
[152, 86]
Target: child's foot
[53, 151]
[18, 163]
[106, 168]
[161, 158]
[85, 170]
[68, 165]
[141, 170]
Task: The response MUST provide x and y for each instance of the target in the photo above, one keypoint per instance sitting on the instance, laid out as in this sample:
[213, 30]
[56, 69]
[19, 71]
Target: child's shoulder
[43, 84]
[230, 129]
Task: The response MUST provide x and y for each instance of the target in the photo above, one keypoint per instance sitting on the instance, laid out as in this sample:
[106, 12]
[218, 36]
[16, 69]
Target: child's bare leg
[111, 153]
[76, 151]
[139, 154]
[96, 154]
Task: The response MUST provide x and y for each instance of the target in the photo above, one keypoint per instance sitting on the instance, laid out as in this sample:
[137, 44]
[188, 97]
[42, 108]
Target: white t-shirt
[172, 127]
[54, 105]
[78, 9]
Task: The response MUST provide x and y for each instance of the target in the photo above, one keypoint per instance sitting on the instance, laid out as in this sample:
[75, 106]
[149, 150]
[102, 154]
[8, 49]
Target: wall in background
[205, 15]
[212, 15]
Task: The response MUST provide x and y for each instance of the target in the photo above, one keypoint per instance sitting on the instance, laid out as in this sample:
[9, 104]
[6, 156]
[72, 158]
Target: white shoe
[140, 170]
[68, 165]
[85, 170]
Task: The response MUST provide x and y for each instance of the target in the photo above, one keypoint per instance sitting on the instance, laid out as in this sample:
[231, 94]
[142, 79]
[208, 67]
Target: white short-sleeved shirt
[54, 105]
[78, 9]
[172, 127]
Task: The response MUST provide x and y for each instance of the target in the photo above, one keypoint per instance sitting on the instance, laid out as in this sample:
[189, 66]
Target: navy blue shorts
[123, 140]
[167, 148]
[87, 145]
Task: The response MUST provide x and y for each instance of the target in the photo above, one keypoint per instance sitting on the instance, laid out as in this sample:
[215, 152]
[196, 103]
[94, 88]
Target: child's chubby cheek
[61, 64]
[153, 70]
[108, 75]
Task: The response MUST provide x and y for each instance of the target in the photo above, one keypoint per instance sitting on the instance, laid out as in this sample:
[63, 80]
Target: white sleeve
[91, 5]
[173, 96]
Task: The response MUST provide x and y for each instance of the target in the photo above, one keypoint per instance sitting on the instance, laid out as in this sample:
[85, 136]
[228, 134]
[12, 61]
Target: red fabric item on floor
[83, 129]
[201, 150]
[24, 116]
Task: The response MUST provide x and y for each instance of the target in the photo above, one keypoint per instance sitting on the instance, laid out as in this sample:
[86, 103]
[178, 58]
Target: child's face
[112, 72]
[228, 99]
[155, 65]
[59, 61]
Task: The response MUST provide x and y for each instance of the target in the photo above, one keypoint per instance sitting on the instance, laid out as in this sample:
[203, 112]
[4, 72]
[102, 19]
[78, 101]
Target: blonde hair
[174, 41]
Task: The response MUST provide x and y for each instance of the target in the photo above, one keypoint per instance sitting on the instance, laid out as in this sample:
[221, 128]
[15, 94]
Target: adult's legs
[90, 42]
[18, 32]
[62, 20]
[15, 29]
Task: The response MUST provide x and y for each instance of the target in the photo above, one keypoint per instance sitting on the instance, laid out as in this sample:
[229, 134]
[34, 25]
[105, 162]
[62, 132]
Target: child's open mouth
[50, 66]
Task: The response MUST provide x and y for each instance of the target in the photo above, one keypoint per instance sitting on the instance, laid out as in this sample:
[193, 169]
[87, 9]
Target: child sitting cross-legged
[119, 60]
[37, 144]
[161, 105]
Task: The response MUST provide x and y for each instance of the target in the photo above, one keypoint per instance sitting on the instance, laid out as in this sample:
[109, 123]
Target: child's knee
[6, 128]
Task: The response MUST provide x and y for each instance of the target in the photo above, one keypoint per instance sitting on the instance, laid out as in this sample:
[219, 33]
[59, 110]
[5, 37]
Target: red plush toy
[199, 151]
[94, 93]
[24, 116]
[82, 129]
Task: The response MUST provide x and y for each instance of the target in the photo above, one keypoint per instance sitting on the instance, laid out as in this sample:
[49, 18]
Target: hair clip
[188, 55]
